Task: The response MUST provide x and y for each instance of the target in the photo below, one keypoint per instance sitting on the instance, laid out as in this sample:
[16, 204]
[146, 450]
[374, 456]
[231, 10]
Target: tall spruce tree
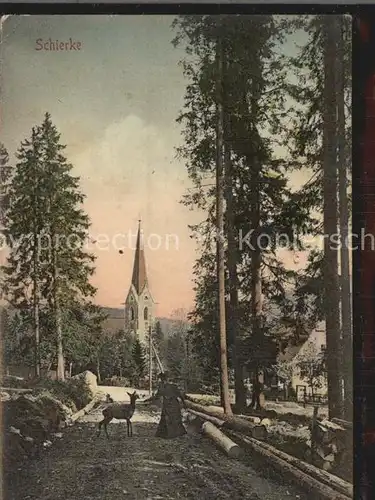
[48, 269]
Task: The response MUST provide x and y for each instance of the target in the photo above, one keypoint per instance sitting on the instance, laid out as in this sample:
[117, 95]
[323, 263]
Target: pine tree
[159, 340]
[47, 259]
[139, 358]
[23, 227]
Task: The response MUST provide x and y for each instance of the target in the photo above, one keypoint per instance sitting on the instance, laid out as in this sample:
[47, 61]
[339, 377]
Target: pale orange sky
[115, 103]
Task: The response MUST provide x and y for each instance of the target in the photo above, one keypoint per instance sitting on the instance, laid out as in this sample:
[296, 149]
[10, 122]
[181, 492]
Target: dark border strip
[184, 8]
[364, 258]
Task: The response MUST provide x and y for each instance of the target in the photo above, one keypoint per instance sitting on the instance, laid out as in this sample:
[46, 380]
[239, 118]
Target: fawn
[120, 412]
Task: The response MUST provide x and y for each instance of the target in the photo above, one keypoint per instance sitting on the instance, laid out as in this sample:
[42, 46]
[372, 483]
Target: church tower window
[132, 315]
[145, 313]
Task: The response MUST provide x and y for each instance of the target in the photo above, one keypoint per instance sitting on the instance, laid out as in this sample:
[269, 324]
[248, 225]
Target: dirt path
[81, 466]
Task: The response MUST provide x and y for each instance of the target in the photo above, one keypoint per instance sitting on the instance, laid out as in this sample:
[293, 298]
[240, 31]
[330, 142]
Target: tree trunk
[346, 317]
[330, 271]
[58, 323]
[36, 284]
[98, 369]
[36, 306]
[240, 390]
[233, 323]
[256, 261]
[220, 230]
[60, 352]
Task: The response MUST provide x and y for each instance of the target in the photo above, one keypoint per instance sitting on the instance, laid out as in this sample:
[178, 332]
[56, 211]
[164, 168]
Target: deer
[120, 412]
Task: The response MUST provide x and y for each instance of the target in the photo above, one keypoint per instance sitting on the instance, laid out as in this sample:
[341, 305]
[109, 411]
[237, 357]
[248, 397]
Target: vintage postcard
[176, 257]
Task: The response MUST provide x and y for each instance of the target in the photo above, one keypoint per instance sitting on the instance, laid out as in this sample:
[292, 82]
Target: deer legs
[104, 422]
[129, 428]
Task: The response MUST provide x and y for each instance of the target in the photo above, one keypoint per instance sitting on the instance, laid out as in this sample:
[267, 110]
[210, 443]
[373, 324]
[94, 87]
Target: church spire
[139, 278]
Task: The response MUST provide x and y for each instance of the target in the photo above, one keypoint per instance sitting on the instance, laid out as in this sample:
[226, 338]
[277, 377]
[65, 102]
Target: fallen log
[15, 389]
[85, 410]
[231, 449]
[213, 420]
[273, 456]
[321, 475]
[232, 422]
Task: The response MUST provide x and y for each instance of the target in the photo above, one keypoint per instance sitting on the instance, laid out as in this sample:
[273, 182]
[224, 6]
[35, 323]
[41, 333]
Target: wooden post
[157, 358]
[150, 361]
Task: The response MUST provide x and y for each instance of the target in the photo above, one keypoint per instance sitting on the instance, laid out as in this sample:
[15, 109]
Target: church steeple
[139, 278]
[139, 304]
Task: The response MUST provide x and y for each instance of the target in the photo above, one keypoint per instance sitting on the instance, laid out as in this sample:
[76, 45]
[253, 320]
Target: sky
[115, 102]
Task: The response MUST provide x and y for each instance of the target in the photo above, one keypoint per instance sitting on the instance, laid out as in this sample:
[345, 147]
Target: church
[139, 304]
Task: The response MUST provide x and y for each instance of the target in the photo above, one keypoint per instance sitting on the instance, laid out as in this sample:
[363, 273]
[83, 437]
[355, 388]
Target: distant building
[139, 304]
[293, 354]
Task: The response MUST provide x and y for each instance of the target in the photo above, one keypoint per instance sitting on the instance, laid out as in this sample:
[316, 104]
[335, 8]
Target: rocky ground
[82, 466]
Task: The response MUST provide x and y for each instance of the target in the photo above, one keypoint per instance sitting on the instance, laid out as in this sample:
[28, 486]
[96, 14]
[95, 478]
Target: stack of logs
[330, 445]
[250, 435]
[216, 416]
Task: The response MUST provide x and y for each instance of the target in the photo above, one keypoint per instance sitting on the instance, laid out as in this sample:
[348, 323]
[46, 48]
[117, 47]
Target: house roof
[289, 353]
[292, 351]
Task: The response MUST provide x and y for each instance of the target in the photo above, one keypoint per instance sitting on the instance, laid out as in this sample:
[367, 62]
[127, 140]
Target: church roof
[139, 278]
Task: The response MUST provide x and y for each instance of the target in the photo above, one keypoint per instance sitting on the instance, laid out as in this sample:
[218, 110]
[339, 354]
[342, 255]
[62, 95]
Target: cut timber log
[233, 422]
[319, 482]
[323, 476]
[85, 410]
[330, 441]
[231, 449]
[203, 416]
[250, 418]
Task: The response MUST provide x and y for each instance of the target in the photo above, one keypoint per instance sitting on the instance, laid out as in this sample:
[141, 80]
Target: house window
[323, 347]
[145, 313]
[131, 313]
